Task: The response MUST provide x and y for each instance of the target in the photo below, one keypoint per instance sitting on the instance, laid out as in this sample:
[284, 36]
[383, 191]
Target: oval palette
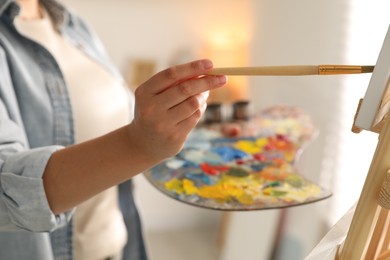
[255, 169]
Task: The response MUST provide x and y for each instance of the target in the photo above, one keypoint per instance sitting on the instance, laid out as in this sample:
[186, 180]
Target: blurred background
[143, 37]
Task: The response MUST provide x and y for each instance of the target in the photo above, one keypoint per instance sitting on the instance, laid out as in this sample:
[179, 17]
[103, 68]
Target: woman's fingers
[177, 74]
[174, 95]
[188, 107]
[188, 123]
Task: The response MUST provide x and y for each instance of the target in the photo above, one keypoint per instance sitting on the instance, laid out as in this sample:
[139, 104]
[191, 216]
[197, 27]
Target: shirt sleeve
[23, 202]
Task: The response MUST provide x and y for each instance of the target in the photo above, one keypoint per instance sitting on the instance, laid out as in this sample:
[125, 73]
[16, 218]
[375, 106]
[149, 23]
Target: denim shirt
[35, 121]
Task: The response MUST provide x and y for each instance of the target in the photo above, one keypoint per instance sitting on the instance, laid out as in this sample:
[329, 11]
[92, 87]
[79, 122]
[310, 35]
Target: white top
[100, 104]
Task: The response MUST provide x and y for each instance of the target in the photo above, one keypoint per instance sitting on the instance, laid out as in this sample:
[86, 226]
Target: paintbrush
[294, 70]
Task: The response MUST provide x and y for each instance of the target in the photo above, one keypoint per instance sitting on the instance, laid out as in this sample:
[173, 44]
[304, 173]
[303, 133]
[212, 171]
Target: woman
[51, 90]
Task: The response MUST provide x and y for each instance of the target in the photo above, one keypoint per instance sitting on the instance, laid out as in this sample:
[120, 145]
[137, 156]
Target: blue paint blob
[199, 179]
[228, 154]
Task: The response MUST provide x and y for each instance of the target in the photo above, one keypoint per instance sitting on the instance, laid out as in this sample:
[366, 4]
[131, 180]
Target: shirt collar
[9, 8]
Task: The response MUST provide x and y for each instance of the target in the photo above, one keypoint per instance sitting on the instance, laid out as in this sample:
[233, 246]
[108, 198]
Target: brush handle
[267, 71]
[297, 70]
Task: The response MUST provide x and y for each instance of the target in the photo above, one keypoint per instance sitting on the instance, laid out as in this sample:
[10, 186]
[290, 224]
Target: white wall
[302, 32]
[158, 29]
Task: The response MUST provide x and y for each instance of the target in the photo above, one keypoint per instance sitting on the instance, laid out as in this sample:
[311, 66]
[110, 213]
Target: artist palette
[255, 169]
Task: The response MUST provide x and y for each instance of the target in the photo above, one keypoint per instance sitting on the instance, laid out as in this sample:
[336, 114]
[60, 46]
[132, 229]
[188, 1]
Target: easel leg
[384, 247]
[373, 249]
[364, 217]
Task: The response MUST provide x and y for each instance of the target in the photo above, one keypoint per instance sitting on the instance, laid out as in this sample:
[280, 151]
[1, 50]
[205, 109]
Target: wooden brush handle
[294, 70]
[267, 71]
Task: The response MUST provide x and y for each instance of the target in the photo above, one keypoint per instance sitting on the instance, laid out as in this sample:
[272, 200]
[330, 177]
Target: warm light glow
[229, 50]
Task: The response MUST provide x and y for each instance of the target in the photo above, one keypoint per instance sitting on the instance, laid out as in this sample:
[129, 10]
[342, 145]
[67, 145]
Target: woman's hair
[55, 10]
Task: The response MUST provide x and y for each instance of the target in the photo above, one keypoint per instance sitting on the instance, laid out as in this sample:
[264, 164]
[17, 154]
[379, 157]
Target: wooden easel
[368, 236]
[369, 233]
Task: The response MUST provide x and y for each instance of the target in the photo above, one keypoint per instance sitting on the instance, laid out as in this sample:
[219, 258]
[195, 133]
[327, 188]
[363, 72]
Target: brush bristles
[367, 69]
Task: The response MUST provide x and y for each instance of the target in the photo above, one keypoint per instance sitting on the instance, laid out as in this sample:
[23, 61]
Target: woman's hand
[169, 105]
